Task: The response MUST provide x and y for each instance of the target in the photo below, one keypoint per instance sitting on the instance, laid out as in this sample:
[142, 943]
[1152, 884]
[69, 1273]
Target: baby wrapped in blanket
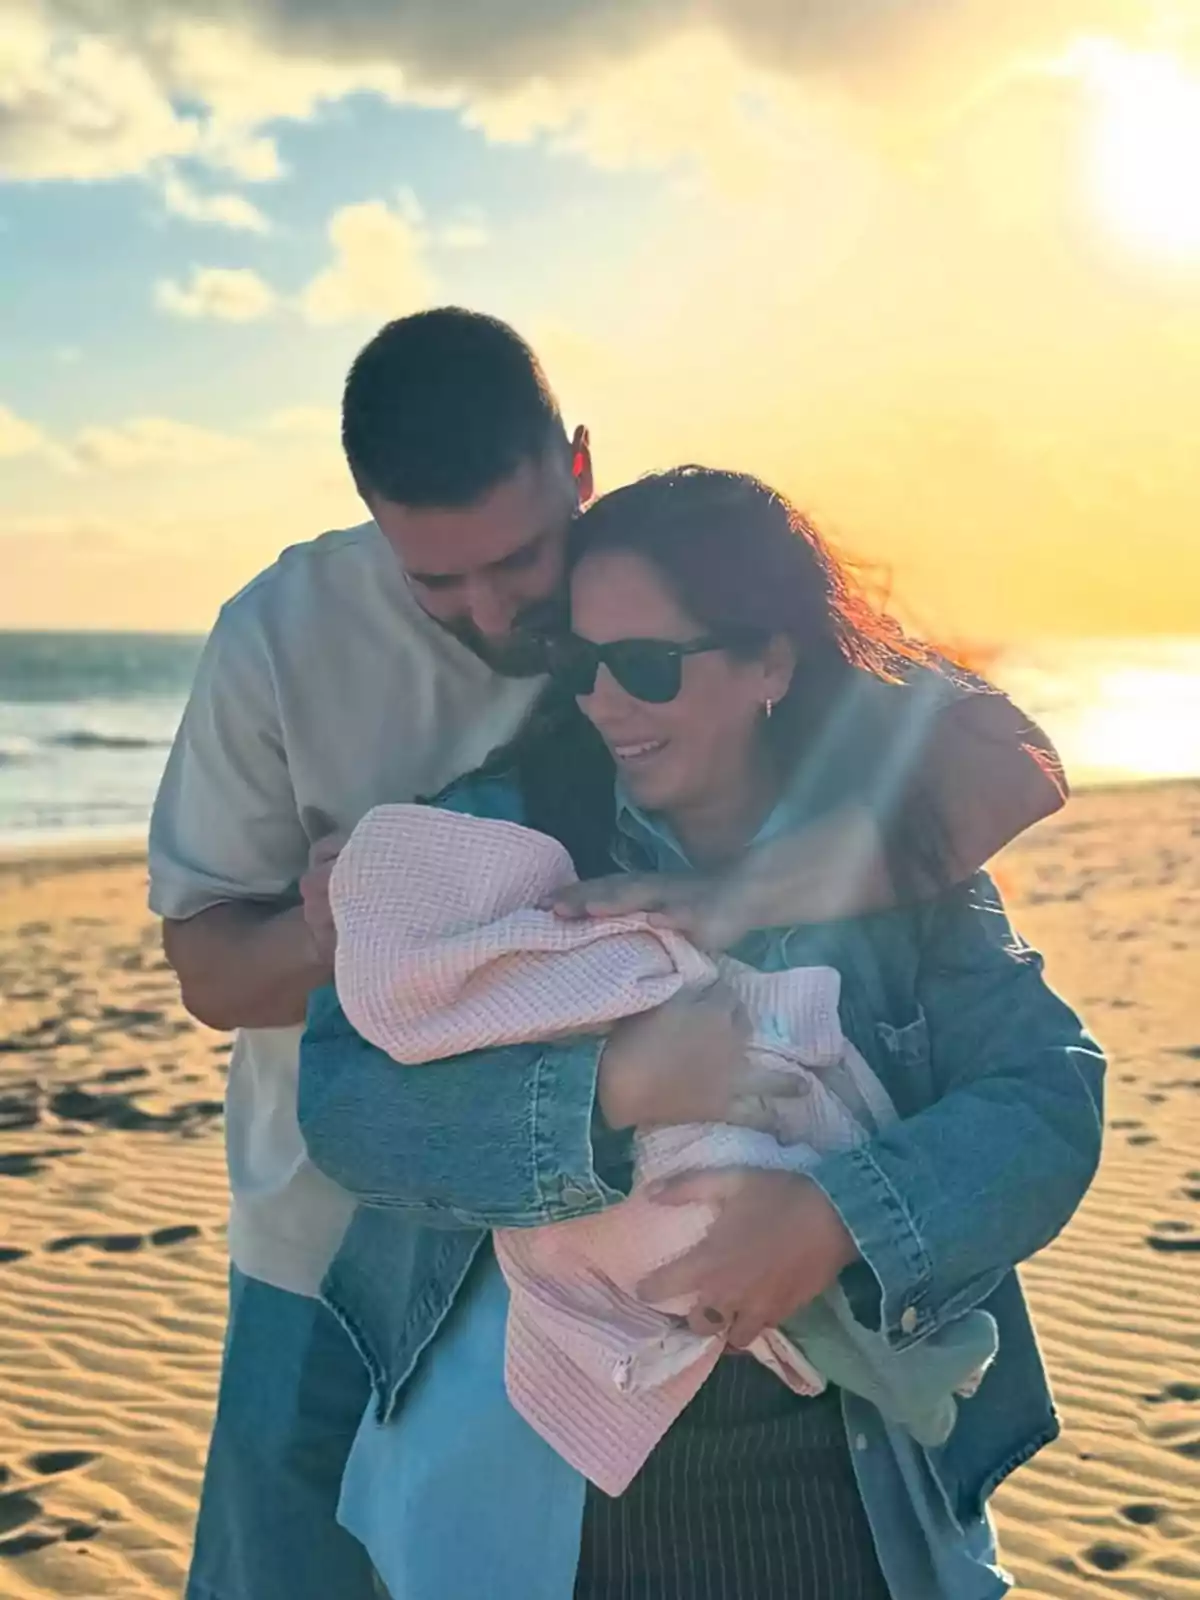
[442, 951]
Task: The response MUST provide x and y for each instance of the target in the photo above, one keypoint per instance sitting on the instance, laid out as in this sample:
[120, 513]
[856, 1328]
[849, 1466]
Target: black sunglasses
[648, 669]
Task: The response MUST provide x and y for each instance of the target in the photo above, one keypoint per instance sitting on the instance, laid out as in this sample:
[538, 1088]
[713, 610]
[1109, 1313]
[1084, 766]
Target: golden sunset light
[1146, 162]
[600, 799]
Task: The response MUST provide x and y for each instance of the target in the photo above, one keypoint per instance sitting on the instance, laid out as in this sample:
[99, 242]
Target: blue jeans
[293, 1392]
[457, 1497]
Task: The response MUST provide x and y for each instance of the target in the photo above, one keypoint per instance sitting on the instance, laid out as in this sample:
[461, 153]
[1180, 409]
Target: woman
[727, 674]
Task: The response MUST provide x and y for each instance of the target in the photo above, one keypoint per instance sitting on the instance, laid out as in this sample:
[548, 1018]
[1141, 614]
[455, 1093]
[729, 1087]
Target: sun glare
[1146, 150]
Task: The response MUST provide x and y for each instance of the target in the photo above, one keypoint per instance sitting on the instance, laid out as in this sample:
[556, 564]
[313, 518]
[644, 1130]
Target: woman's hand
[776, 1244]
[687, 1061]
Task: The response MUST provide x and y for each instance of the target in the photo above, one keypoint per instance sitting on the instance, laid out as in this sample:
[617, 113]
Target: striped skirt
[750, 1496]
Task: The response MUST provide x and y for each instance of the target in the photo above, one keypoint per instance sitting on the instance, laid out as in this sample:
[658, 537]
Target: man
[375, 664]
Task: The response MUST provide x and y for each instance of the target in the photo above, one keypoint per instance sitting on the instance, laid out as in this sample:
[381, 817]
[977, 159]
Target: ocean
[86, 720]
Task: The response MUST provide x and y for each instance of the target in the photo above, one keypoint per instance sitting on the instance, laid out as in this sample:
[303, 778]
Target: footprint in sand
[54, 1531]
[121, 1244]
[111, 1243]
[1189, 1393]
[1108, 1557]
[123, 1074]
[120, 1110]
[27, 1163]
[24, 1544]
[1142, 1514]
[48, 1033]
[175, 1235]
[1175, 1238]
[19, 1111]
[21, 1510]
[16, 1509]
[1174, 1432]
[52, 1463]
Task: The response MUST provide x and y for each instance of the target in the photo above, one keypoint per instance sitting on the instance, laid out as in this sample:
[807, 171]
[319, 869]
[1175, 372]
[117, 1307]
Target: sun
[1145, 157]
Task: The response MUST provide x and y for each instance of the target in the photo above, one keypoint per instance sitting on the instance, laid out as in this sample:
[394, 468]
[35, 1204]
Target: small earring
[768, 707]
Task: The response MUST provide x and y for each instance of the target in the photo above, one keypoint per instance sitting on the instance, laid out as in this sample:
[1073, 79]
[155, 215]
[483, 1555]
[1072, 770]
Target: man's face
[492, 573]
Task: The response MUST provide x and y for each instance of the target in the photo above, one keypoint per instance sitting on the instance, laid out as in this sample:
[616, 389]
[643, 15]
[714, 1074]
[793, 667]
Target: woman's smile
[636, 752]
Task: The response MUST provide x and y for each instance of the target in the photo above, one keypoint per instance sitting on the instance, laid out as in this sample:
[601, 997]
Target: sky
[932, 267]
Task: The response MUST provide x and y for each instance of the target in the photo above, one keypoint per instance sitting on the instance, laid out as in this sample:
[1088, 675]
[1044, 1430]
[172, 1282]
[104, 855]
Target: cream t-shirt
[323, 690]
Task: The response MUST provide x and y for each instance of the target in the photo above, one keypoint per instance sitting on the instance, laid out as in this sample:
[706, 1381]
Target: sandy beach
[112, 1260]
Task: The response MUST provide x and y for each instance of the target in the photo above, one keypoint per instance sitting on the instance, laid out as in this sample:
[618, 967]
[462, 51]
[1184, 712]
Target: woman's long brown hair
[740, 558]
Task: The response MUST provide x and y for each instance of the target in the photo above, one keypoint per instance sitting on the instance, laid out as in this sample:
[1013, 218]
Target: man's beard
[523, 652]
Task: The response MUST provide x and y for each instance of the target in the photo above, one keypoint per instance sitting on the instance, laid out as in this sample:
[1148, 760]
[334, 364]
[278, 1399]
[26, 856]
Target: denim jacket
[1000, 1092]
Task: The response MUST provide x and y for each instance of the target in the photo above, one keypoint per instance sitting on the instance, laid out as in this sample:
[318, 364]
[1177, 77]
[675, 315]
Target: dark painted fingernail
[715, 1317]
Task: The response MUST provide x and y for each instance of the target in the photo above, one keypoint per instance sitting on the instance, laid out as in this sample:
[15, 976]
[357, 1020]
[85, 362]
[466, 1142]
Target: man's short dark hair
[442, 406]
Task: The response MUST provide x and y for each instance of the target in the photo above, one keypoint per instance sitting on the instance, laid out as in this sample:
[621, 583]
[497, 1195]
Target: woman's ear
[778, 667]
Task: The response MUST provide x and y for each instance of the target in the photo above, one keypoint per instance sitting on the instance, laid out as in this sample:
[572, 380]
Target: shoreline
[70, 856]
[76, 851]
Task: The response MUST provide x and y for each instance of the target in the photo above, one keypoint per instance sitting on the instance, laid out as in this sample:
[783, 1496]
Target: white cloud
[149, 441]
[228, 294]
[220, 210]
[379, 267]
[65, 535]
[93, 92]
[22, 440]
[467, 231]
[246, 78]
[18, 437]
[155, 442]
[691, 101]
[78, 105]
[304, 422]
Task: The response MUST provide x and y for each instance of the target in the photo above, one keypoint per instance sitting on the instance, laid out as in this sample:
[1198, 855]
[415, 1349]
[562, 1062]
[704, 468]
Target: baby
[441, 951]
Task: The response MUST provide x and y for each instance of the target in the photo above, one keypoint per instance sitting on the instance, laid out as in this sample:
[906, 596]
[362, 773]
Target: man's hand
[687, 1061]
[776, 1244]
[711, 911]
[314, 891]
[832, 868]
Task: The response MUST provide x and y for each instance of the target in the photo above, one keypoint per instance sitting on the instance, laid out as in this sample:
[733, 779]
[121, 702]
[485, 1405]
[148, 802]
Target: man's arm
[245, 965]
[227, 845]
[970, 774]
[960, 774]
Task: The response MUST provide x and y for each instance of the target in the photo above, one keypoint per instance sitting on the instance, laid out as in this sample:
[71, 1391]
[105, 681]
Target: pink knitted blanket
[442, 950]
